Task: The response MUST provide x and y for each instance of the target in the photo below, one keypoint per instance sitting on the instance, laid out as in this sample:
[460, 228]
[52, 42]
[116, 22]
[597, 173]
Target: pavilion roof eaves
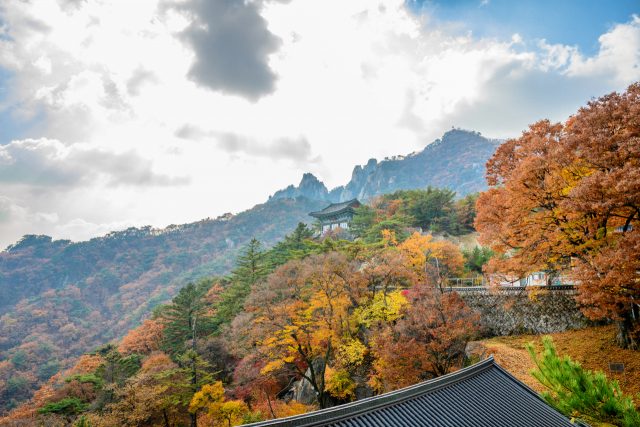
[335, 209]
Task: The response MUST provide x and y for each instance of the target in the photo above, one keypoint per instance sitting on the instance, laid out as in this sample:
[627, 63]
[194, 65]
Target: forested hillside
[59, 299]
[347, 316]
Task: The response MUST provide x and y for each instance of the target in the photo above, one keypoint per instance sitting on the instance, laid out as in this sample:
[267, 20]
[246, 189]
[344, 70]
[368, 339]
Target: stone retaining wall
[536, 311]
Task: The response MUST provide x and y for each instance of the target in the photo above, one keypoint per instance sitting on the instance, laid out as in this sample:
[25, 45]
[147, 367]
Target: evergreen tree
[293, 246]
[187, 380]
[180, 315]
[113, 372]
[250, 267]
[365, 216]
[426, 205]
[68, 407]
[397, 223]
[475, 258]
[579, 393]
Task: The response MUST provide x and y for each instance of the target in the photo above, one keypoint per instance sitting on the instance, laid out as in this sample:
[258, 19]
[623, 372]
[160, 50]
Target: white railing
[465, 282]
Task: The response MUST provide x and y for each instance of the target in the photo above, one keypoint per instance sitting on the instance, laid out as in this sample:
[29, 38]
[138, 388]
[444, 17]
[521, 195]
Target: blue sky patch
[572, 22]
[12, 126]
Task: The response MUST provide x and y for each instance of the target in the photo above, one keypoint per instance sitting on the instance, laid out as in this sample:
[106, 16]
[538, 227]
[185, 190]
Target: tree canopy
[565, 198]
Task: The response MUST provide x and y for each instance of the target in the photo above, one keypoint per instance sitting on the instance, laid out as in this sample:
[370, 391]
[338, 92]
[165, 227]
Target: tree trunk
[269, 402]
[625, 336]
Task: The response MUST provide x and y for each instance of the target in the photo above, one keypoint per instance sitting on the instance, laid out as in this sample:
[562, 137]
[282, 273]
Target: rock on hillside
[359, 179]
[457, 161]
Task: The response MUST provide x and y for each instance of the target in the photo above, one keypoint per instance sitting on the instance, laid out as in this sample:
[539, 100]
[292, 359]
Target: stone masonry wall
[526, 311]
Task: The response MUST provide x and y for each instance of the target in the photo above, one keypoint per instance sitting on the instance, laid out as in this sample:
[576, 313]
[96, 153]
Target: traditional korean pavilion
[482, 395]
[336, 215]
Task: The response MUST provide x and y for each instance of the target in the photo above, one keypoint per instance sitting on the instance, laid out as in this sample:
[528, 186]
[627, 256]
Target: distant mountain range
[457, 161]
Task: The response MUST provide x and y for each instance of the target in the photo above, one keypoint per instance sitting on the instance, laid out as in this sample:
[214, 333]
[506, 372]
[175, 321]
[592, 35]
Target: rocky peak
[309, 187]
[312, 188]
[358, 180]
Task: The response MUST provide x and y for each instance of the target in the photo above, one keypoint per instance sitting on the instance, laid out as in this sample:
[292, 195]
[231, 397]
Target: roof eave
[361, 407]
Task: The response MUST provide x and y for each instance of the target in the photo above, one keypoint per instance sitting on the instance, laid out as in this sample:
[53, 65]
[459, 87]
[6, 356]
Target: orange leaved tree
[565, 198]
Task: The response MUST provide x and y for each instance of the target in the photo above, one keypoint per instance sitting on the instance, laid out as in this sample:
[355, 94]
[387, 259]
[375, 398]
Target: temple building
[336, 215]
[482, 395]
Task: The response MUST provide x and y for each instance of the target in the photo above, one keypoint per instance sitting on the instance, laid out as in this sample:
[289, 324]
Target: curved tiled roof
[335, 208]
[481, 395]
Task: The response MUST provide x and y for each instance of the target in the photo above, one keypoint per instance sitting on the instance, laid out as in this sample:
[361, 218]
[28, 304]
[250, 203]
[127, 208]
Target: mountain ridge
[457, 161]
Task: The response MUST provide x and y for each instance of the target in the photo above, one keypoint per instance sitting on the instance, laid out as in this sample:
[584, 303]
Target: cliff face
[457, 161]
[334, 195]
[359, 179]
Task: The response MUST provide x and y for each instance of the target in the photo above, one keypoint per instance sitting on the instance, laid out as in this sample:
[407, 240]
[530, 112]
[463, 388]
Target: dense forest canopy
[59, 299]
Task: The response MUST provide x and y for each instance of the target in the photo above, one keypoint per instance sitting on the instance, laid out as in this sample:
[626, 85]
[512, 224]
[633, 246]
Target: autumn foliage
[427, 340]
[565, 198]
[351, 319]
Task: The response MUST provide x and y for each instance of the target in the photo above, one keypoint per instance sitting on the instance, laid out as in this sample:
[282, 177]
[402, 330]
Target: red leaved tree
[427, 341]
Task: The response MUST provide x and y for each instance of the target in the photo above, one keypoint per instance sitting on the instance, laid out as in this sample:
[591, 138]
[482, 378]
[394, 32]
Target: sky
[119, 113]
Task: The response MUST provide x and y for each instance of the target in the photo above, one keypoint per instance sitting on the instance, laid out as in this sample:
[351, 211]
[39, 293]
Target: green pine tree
[475, 258]
[426, 206]
[114, 371]
[579, 393]
[180, 315]
[363, 220]
[396, 223]
[68, 407]
[187, 380]
[293, 246]
[250, 267]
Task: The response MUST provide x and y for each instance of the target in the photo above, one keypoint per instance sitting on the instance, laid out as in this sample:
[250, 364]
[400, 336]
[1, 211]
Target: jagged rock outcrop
[359, 178]
[457, 161]
[303, 391]
[309, 187]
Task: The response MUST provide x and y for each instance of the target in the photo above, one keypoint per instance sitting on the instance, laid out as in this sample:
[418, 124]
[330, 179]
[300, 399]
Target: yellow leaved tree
[211, 397]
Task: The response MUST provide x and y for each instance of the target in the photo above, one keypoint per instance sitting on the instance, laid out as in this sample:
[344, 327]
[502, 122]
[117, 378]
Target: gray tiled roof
[334, 208]
[481, 395]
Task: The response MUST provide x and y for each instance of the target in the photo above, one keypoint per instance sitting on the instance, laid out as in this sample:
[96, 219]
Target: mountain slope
[59, 299]
[457, 161]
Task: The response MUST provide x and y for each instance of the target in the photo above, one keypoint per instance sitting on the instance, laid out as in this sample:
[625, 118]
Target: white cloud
[618, 58]
[123, 118]
[48, 163]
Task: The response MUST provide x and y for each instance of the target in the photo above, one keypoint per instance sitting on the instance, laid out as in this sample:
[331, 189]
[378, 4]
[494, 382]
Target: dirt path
[516, 361]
